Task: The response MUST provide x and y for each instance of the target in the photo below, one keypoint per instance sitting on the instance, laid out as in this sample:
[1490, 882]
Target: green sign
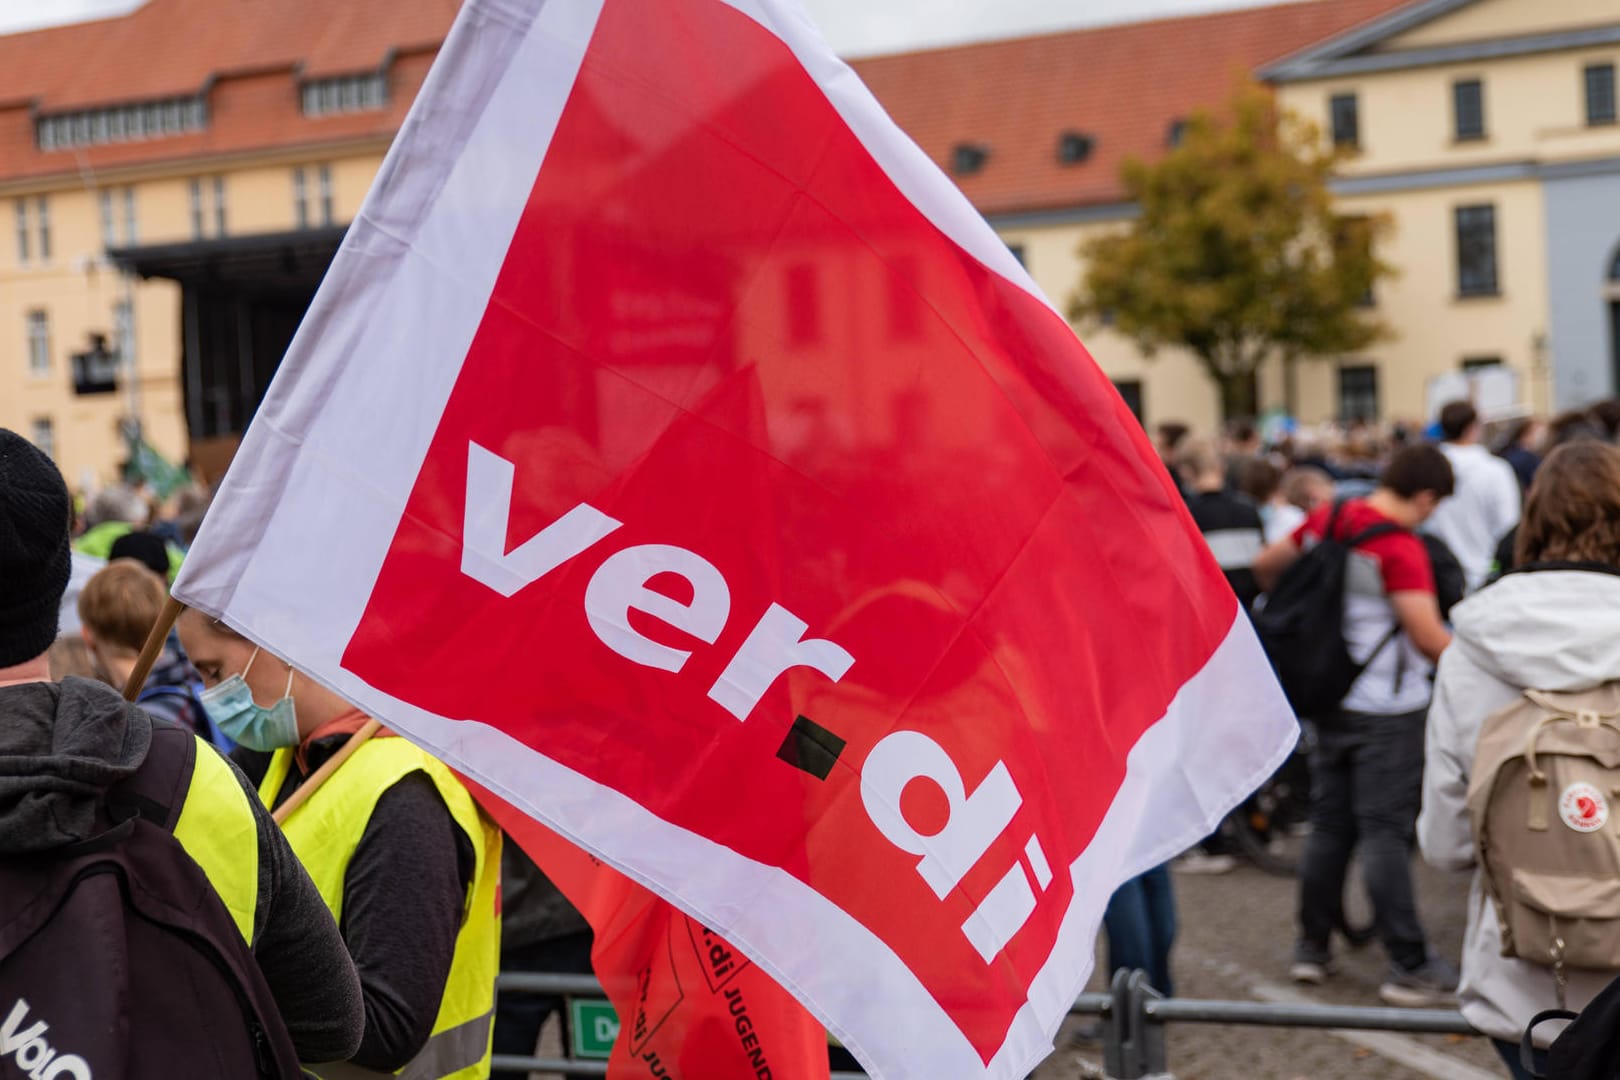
[595, 1026]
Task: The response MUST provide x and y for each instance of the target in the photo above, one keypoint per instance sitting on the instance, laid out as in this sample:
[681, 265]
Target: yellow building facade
[59, 286]
[173, 183]
[1486, 131]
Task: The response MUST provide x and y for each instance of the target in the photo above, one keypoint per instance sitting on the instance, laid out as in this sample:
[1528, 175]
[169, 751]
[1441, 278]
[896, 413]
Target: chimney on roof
[1074, 147]
[969, 158]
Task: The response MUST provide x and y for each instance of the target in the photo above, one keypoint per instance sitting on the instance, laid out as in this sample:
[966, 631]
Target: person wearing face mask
[401, 853]
[78, 770]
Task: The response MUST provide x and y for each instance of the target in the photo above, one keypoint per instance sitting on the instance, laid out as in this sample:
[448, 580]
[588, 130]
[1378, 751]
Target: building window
[326, 194]
[1476, 250]
[969, 158]
[1131, 391]
[109, 233]
[1019, 254]
[1345, 119]
[43, 435]
[196, 209]
[345, 93]
[1480, 363]
[124, 334]
[1600, 94]
[121, 123]
[1358, 392]
[1468, 109]
[1175, 133]
[219, 206]
[42, 214]
[1353, 242]
[109, 217]
[22, 232]
[300, 198]
[39, 345]
[1074, 147]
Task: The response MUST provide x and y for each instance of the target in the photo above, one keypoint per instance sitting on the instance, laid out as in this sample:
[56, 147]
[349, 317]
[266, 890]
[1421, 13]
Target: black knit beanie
[36, 517]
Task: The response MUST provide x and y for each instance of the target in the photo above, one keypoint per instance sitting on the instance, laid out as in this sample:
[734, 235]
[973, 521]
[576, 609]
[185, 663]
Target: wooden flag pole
[153, 647]
[143, 667]
[322, 774]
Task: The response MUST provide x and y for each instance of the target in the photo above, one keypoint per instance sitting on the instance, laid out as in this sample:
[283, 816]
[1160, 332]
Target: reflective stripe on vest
[325, 831]
[218, 830]
[458, 1051]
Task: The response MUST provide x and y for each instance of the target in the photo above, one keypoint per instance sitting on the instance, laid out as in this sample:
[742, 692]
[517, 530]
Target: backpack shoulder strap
[157, 790]
[1371, 532]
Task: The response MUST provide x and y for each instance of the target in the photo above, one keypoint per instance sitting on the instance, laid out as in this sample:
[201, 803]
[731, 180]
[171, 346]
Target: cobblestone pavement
[1236, 941]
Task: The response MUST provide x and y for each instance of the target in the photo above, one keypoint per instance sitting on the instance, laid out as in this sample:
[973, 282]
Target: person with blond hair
[117, 610]
[1551, 624]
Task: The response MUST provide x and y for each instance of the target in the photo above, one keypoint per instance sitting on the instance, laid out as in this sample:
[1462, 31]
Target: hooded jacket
[1556, 630]
[63, 746]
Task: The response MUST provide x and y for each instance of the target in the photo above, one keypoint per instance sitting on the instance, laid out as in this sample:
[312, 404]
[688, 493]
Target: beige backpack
[1544, 801]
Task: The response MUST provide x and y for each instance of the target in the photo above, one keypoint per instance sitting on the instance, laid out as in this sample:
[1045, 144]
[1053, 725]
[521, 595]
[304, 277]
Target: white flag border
[320, 478]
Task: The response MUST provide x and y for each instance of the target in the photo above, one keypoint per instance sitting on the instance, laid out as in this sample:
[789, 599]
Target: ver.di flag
[690, 1003]
[673, 450]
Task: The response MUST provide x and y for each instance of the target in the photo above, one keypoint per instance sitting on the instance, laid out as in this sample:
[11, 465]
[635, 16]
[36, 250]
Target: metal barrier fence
[1133, 1017]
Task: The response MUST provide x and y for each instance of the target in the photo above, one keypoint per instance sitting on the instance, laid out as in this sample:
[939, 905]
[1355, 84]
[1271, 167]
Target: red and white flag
[673, 450]
[692, 1005]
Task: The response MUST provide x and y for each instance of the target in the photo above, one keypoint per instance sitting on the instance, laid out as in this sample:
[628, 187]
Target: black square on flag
[810, 747]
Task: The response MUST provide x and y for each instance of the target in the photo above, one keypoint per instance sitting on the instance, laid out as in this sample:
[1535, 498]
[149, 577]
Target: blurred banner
[673, 450]
[147, 466]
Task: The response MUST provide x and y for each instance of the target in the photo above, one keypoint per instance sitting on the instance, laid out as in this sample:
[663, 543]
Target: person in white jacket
[1486, 503]
[1553, 624]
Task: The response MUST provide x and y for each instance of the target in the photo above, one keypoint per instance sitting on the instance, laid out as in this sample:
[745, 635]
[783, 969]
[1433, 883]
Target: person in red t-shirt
[1367, 765]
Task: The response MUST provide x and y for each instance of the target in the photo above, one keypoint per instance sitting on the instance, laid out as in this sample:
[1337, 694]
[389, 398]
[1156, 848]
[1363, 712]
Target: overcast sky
[855, 27]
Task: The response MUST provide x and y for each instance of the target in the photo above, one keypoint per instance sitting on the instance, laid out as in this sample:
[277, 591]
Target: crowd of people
[355, 919]
[1468, 576]
[358, 910]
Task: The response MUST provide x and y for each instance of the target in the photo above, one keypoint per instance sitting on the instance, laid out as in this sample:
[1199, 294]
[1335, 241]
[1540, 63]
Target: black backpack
[1302, 622]
[118, 961]
[1589, 1049]
[1450, 583]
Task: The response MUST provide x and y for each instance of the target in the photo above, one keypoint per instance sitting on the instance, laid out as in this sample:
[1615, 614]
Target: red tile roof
[1122, 85]
[231, 48]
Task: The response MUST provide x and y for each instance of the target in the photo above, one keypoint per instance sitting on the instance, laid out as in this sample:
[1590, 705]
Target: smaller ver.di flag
[690, 1004]
[673, 450]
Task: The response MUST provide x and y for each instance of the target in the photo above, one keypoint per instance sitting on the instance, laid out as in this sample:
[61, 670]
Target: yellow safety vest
[324, 833]
[218, 830]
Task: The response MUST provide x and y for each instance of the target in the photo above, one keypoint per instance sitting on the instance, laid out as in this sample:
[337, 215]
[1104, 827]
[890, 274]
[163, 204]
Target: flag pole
[324, 773]
[143, 667]
[153, 647]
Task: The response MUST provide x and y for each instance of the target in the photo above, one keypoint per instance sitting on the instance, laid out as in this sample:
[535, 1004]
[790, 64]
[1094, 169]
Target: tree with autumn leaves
[1237, 253]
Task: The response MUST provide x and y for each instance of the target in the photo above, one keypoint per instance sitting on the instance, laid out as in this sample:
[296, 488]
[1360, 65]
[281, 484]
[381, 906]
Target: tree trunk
[1240, 394]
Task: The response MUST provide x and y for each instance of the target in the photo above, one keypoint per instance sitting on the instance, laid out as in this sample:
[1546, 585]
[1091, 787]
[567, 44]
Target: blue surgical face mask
[230, 705]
